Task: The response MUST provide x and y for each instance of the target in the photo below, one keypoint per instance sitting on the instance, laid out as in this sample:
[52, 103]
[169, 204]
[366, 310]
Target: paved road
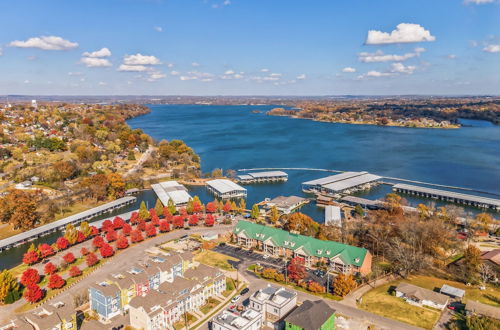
[118, 263]
[141, 161]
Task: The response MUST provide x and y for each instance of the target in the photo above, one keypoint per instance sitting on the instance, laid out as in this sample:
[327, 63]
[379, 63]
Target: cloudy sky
[245, 47]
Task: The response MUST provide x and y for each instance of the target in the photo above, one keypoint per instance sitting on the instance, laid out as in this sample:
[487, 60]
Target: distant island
[423, 113]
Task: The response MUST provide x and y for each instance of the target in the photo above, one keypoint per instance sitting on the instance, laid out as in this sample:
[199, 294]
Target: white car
[265, 256]
[235, 299]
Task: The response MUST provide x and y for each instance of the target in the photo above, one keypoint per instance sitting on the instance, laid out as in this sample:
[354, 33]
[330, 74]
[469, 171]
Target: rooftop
[332, 178]
[224, 186]
[311, 315]
[171, 190]
[422, 293]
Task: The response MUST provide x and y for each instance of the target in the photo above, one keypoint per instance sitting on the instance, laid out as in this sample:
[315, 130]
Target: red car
[451, 307]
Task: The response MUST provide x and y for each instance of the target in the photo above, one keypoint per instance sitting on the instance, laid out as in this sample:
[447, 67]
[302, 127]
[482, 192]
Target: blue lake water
[234, 137]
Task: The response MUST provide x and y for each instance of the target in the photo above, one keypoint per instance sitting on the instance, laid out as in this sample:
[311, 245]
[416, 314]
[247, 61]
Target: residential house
[55, 315]
[476, 308]
[248, 320]
[274, 303]
[418, 296]
[105, 299]
[286, 204]
[340, 258]
[311, 315]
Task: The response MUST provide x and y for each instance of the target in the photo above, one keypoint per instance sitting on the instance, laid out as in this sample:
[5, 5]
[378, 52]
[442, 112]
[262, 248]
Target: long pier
[60, 224]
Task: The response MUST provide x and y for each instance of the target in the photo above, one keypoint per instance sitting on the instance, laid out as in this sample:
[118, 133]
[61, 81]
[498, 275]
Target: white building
[333, 216]
[286, 204]
[415, 295]
[223, 188]
[248, 320]
[274, 303]
[171, 190]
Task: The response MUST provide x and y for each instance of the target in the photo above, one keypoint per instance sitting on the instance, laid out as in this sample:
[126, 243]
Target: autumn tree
[171, 206]
[150, 230]
[49, 269]
[164, 226]
[211, 208]
[46, 250]
[84, 251]
[91, 259]
[296, 269]
[55, 282]
[126, 229]
[30, 276]
[469, 265]
[315, 287]
[106, 251]
[116, 187]
[69, 258]
[197, 205]
[193, 220]
[33, 293]
[254, 214]
[111, 235]
[97, 185]
[209, 220]
[98, 241]
[275, 214]
[118, 222]
[136, 236]
[227, 207]
[62, 243]
[74, 271]
[343, 284]
[122, 242]
[158, 207]
[143, 212]
[19, 208]
[8, 287]
[30, 257]
[301, 223]
[242, 205]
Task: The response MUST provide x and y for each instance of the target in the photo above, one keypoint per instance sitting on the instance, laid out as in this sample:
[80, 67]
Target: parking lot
[258, 258]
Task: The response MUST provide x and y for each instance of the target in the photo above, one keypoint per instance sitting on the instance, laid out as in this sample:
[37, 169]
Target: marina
[260, 177]
[223, 188]
[346, 182]
[171, 190]
[61, 224]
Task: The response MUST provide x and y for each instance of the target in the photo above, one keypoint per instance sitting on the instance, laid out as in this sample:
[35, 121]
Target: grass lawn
[215, 259]
[182, 322]
[490, 296]
[380, 302]
[211, 303]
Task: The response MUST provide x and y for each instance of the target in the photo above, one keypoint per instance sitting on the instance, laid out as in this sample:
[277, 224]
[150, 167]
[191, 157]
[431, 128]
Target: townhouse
[340, 258]
[274, 303]
[55, 315]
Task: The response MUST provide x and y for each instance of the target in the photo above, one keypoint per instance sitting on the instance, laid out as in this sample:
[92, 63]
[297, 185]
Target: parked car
[265, 256]
[451, 307]
[244, 291]
[236, 299]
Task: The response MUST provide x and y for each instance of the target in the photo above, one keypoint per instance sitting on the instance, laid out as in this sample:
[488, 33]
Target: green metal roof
[314, 247]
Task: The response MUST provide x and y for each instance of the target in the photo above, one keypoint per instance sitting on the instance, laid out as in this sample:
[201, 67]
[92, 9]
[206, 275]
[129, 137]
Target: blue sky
[250, 47]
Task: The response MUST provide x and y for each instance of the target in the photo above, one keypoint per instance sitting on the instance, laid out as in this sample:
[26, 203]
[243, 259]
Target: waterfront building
[223, 188]
[248, 320]
[311, 315]
[415, 295]
[257, 177]
[340, 258]
[274, 303]
[346, 182]
[333, 216]
[287, 204]
[171, 190]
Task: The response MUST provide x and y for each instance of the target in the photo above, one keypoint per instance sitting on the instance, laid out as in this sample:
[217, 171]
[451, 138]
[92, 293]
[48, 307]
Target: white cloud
[103, 52]
[184, 78]
[452, 56]
[492, 48]
[133, 68]
[26, 81]
[1, 51]
[155, 75]
[170, 65]
[102, 83]
[195, 64]
[45, 43]
[158, 28]
[31, 58]
[478, 2]
[92, 62]
[379, 56]
[404, 33]
[229, 72]
[301, 76]
[348, 69]
[377, 74]
[175, 73]
[226, 2]
[74, 73]
[197, 75]
[401, 68]
[264, 70]
[275, 75]
[139, 59]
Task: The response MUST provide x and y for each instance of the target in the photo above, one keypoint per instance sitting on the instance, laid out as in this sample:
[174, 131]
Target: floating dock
[171, 190]
[258, 177]
[223, 188]
[61, 224]
[340, 183]
[449, 196]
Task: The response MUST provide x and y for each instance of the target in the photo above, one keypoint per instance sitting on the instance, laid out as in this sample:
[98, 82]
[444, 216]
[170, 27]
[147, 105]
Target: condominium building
[273, 303]
[248, 320]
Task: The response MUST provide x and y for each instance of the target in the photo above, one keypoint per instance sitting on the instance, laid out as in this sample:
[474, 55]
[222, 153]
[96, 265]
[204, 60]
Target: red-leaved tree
[210, 208]
[94, 231]
[178, 221]
[111, 235]
[193, 220]
[197, 207]
[91, 259]
[56, 281]
[167, 215]
[75, 271]
[107, 225]
[134, 218]
[141, 225]
[164, 226]
[150, 230]
[30, 257]
[62, 243]
[126, 229]
[49, 269]
[30, 276]
[122, 242]
[69, 257]
[209, 220]
[155, 220]
[106, 251]
[136, 236]
[46, 250]
[118, 222]
[33, 293]
[84, 251]
[98, 241]
[227, 207]
[297, 269]
[80, 237]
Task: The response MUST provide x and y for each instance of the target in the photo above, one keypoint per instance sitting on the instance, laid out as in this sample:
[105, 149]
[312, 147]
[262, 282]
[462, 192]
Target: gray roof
[452, 291]
[352, 182]
[332, 178]
[85, 215]
[449, 194]
[411, 290]
[224, 186]
[268, 174]
[171, 190]
[311, 315]
[286, 201]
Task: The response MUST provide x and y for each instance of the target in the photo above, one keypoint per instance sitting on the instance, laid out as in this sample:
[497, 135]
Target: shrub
[75, 271]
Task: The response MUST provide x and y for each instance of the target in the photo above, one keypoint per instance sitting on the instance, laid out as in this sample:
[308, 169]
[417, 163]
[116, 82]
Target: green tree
[159, 207]
[9, 287]
[359, 210]
[171, 206]
[71, 234]
[255, 211]
[85, 228]
[189, 206]
[143, 211]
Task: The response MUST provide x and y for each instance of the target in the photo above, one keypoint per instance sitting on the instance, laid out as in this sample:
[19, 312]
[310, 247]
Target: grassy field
[215, 259]
[380, 302]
